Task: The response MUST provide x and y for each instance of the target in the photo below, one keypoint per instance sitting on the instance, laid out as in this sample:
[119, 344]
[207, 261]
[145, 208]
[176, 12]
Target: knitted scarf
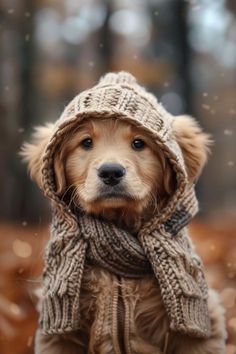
[161, 247]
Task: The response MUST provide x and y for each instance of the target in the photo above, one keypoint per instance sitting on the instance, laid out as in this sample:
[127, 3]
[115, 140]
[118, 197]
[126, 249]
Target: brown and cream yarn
[161, 247]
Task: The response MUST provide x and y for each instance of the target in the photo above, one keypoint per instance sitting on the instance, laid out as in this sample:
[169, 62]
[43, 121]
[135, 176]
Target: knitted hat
[162, 246]
[119, 95]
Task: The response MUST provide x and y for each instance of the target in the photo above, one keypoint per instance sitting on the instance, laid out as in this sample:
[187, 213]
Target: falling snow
[91, 65]
[166, 84]
[230, 163]
[206, 107]
[21, 249]
[228, 132]
[232, 111]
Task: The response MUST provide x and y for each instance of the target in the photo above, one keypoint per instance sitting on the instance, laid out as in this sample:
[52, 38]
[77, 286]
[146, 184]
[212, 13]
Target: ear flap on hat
[194, 144]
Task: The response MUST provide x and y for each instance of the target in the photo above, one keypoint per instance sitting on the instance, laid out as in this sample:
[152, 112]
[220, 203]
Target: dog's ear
[59, 172]
[32, 154]
[194, 144]
[169, 180]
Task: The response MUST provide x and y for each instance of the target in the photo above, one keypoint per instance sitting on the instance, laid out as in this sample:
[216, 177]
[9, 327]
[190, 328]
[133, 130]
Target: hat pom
[121, 77]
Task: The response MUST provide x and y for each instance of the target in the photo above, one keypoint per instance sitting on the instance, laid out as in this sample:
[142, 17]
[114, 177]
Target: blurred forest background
[182, 51]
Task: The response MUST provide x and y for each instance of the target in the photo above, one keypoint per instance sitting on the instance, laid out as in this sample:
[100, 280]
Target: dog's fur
[149, 180]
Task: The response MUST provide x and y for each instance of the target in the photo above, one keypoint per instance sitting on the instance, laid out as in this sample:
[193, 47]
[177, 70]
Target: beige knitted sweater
[162, 246]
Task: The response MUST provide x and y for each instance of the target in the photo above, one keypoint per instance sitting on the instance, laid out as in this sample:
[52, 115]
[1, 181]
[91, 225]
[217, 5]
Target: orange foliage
[21, 250]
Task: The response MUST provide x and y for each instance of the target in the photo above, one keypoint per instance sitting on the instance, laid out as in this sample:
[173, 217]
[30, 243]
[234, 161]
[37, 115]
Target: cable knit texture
[162, 246]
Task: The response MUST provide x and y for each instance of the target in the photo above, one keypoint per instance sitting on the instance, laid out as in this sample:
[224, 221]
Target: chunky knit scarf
[161, 247]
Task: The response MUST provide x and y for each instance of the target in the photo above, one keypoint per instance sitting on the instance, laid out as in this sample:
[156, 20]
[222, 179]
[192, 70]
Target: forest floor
[21, 250]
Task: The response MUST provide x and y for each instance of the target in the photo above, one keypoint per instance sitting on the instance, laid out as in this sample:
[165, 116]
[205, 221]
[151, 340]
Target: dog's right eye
[87, 143]
[138, 144]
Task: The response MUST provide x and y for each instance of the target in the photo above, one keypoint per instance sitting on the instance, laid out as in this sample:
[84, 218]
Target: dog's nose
[111, 173]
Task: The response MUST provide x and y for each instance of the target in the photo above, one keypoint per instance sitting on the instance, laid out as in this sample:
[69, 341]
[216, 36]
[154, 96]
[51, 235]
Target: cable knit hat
[162, 246]
[119, 95]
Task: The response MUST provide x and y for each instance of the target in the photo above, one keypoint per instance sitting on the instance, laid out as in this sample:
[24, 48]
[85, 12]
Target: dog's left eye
[87, 143]
[138, 144]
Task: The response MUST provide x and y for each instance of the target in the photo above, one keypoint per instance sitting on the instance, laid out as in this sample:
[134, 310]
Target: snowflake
[228, 132]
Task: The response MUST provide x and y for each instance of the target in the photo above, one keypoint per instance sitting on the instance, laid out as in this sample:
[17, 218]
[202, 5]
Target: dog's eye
[87, 143]
[138, 144]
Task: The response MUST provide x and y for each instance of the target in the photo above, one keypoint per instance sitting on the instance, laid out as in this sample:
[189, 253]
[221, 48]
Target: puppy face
[111, 164]
[114, 169]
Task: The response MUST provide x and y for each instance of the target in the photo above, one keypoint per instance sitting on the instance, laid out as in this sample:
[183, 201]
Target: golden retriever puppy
[114, 170]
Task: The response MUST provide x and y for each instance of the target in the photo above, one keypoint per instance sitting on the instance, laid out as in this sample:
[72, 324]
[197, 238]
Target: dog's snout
[111, 173]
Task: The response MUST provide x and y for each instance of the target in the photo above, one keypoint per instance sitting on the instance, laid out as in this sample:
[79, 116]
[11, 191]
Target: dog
[112, 169]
